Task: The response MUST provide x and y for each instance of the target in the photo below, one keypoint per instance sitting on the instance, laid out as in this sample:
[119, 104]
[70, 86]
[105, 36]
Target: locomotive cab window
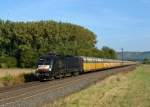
[45, 62]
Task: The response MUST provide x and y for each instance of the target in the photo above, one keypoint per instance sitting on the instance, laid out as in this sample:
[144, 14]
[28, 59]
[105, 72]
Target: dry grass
[122, 90]
[14, 71]
[9, 77]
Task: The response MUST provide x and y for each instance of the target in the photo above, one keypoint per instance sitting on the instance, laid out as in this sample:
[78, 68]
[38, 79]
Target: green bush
[7, 62]
[28, 57]
[146, 61]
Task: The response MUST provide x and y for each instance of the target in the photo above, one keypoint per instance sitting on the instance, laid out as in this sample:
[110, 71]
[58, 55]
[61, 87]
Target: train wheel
[58, 75]
[75, 73]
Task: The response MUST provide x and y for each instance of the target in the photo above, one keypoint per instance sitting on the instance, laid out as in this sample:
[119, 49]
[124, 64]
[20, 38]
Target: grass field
[130, 89]
[14, 71]
[9, 77]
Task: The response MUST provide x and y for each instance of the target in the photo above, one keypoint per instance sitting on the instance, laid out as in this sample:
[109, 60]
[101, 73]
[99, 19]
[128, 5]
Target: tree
[109, 53]
[26, 41]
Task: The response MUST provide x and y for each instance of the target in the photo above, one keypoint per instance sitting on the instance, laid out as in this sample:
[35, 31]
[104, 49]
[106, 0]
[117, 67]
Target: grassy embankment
[122, 90]
[10, 77]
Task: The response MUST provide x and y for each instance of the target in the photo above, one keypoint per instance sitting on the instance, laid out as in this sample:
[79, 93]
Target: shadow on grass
[30, 77]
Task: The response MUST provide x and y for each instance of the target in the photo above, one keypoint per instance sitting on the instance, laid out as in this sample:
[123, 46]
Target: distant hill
[138, 56]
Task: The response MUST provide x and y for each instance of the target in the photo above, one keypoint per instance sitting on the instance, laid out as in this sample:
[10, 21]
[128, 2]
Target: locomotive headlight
[50, 68]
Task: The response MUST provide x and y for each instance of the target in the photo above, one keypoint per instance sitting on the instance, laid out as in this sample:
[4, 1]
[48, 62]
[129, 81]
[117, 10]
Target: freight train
[52, 66]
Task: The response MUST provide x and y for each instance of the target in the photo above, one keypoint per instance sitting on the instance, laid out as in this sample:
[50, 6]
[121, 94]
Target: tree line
[146, 61]
[21, 43]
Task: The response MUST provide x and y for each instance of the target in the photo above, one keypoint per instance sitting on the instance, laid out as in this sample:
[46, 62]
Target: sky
[116, 23]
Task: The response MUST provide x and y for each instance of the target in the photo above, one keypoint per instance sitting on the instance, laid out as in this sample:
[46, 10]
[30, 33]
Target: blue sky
[117, 23]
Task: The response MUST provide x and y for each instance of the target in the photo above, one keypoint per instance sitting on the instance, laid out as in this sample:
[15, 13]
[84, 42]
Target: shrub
[7, 62]
[28, 57]
[146, 61]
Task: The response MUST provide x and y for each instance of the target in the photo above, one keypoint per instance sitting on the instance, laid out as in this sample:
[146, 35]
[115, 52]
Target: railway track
[36, 94]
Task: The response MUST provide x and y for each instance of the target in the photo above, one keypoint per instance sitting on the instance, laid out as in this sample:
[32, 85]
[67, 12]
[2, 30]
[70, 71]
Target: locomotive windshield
[45, 62]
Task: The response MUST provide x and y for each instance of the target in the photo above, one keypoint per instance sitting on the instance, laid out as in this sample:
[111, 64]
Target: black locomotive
[56, 66]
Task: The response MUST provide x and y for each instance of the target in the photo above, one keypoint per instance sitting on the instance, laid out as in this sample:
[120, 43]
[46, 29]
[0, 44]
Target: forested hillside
[21, 43]
[137, 56]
